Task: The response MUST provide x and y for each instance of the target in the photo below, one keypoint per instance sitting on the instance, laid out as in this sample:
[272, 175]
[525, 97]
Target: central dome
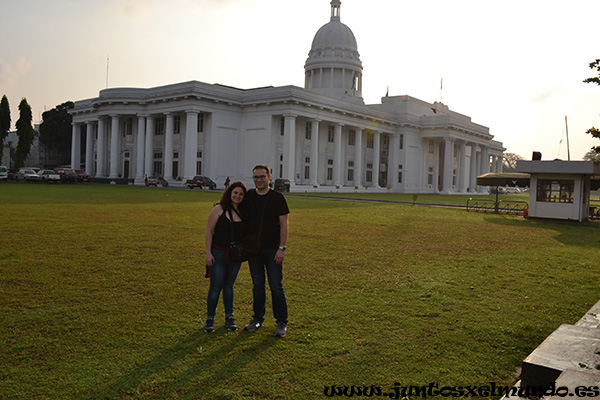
[334, 35]
[333, 66]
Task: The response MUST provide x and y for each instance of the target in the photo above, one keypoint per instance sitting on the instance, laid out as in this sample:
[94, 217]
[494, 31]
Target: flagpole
[441, 87]
[107, 72]
[568, 149]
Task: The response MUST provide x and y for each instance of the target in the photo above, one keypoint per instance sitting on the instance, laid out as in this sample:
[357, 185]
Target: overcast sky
[514, 66]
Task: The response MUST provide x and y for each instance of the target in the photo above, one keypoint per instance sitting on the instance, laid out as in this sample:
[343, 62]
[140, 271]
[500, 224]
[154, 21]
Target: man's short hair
[262, 166]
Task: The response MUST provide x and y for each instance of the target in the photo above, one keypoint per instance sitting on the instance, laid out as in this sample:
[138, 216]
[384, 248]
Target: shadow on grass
[128, 385]
[572, 233]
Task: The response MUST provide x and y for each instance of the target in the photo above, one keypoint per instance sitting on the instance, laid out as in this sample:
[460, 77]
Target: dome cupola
[333, 66]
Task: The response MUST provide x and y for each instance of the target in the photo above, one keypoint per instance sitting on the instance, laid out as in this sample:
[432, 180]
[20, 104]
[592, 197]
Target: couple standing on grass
[259, 219]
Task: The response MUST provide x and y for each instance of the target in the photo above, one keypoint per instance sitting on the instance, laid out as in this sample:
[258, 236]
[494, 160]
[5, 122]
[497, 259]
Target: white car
[3, 173]
[512, 190]
[26, 175]
[48, 175]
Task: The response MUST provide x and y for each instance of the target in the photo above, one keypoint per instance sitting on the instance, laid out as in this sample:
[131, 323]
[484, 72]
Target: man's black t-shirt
[274, 205]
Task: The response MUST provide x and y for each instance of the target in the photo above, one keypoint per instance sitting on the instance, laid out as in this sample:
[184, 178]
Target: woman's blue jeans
[259, 263]
[222, 278]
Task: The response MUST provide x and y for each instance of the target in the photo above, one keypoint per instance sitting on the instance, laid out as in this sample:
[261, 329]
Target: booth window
[555, 191]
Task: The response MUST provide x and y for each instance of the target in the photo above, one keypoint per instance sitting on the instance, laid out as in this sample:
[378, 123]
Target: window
[370, 140]
[177, 124]
[369, 177]
[331, 134]
[128, 126]
[282, 126]
[329, 169]
[198, 167]
[351, 175]
[351, 137]
[199, 154]
[175, 155]
[308, 133]
[401, 142]
[126, 154]
[555, 191]
[160, 126]
[430, 144]
[201, 122]
[430, 176]
[400, 173]
[307, 172]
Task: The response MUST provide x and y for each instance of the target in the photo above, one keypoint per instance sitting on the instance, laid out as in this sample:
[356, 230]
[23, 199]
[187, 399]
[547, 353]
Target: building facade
[322, 137]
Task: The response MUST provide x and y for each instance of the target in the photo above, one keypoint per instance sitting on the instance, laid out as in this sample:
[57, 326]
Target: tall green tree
[4, 123]
[55, 130]
[24, 133]
[595, 132]
[591, 155]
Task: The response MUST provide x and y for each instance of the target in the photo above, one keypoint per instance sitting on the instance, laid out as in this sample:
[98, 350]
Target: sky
[514, 66]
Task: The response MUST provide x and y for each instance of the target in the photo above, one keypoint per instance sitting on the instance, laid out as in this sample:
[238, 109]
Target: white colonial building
[321, 137]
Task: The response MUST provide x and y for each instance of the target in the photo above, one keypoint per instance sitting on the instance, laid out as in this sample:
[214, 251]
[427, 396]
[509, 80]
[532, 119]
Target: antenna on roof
[441, 87]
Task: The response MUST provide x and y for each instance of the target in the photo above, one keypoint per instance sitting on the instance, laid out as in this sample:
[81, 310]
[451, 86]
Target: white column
[140, 146]
[337, 156]
[473, 173]
[76, 146]
[393, 161]
[149, 153]
[314, 153]
[376, 158]
[169, 148]
[462, 167]
[89, 148]
[101, 150]
[191, 144]
[448, 165]
[501, 164]
[289, 148]
[358, 158]
[485, 160]
[114, 147]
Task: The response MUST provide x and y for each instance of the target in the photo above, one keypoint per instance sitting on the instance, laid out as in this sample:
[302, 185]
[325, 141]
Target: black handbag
[236, 249]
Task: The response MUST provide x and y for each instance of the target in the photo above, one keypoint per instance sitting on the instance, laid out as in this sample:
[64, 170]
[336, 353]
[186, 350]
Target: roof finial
[335, 10]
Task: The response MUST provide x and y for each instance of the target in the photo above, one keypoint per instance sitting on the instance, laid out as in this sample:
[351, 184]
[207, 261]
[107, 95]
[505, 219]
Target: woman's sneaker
[210, 325]
[230, 324]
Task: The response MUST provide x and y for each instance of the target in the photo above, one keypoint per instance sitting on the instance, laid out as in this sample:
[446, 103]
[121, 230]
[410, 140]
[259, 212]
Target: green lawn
[102, 296]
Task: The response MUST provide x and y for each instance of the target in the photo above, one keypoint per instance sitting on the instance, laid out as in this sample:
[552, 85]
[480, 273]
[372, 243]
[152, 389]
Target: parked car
[200, 182]
[82, 176]
[66, 175]
[155, 181]
[3, 173]
[282, 185]
[48, 175]
[26, 175]
[512, 190]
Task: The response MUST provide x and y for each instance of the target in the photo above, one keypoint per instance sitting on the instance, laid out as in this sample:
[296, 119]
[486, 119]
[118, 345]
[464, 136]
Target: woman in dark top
[223, 271]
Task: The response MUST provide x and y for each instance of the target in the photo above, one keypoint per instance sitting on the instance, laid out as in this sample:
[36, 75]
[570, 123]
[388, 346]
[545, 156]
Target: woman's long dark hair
[225, 201]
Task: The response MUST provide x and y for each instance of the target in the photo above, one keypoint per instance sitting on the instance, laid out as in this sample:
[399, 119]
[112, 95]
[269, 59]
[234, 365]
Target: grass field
[102, 296]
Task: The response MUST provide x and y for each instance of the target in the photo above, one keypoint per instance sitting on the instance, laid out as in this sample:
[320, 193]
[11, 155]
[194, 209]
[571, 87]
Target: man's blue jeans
[222, 278]
[259, 263]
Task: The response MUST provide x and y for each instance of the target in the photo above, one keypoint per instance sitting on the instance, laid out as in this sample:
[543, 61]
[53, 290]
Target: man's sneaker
[281, 329]
[210, 325]
[253, 325]
[230, 324]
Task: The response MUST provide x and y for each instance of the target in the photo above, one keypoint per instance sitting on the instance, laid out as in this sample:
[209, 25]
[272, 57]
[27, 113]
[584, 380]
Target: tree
[510, 161]
[592, 155]
[24, 133]
[55, 130]
[4, 123]
[595, 132]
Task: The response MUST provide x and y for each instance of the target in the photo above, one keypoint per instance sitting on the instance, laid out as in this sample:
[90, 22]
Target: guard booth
[559, 189]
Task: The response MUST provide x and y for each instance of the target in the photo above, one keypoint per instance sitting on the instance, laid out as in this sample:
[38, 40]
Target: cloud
[11, 73]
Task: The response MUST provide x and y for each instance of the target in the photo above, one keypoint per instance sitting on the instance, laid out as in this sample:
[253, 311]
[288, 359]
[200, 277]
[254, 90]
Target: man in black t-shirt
[266, 231]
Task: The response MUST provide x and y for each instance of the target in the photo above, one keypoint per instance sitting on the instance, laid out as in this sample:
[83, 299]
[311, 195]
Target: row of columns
[143, 147]
[289, 151]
